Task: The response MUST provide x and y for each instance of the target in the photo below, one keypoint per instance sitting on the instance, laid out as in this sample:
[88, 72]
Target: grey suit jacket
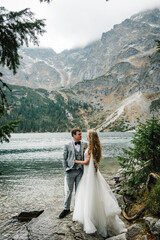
[69, 155]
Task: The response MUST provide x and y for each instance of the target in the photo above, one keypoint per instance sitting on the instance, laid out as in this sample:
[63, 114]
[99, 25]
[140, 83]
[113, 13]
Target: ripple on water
[32, 172]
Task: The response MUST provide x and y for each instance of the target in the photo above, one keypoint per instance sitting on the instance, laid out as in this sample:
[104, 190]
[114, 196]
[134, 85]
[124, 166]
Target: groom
[73, 171]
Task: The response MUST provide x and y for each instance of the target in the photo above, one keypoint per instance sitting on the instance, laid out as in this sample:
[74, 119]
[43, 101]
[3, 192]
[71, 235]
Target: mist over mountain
[118, 75]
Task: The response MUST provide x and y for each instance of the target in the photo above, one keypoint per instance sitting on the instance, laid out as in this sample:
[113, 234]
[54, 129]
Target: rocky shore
[47, 225]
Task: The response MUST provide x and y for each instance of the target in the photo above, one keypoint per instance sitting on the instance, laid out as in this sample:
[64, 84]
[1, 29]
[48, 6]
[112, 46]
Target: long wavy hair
[94, 147]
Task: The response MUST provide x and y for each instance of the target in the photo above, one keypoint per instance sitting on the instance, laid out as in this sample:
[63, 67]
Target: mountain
[111, 84]
[129, 42]
[41, 114]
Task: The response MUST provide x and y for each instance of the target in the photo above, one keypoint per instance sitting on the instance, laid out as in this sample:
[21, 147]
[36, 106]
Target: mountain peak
[132, 41]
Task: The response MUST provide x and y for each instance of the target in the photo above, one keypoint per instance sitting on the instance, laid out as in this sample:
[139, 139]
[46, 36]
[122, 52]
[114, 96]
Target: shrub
[142, 158]
[153, 200]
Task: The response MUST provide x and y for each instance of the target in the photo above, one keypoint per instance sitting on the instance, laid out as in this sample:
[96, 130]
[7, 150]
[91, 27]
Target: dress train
[96, 206]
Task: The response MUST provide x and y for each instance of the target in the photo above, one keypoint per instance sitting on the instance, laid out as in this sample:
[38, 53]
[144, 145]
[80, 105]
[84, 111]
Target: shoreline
[47, 226]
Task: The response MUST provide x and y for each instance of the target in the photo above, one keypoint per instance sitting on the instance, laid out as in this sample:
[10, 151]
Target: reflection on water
[32, 176]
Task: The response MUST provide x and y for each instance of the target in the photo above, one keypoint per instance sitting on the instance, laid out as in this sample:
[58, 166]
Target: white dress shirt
[77, 147]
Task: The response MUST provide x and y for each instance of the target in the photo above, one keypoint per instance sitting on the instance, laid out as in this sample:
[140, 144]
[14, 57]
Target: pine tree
[16, 29]
[143, 157]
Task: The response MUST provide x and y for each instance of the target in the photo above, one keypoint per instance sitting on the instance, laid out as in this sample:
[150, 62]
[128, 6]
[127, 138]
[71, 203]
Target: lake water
[33, 177]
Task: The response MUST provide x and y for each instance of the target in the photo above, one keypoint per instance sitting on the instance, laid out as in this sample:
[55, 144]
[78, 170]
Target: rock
[121, 179]
[119, 176]
[156, 227]
[156, 235]
[120, 199]
[133, 231]
[22, 234]
[49, 227]
[144, 237]
[111, 182]
[117, 179]
[117, 189]
[156, 230]
[118, 237]
[27, 216]
[78, 235]
[150, 222]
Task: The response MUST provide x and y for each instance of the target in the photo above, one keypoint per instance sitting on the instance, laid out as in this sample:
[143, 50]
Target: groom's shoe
[64, 213]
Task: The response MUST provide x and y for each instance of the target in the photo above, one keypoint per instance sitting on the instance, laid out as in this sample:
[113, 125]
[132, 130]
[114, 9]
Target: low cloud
[74, 23]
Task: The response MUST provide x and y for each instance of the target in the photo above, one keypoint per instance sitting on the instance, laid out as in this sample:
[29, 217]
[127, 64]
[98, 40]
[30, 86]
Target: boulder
[22, 234]
[150, 221]
[156, 227]
[120, 199]
[117, 189]
[118, 237]
[49, 227]
[27, 216]
[156, 230]
[133, 231]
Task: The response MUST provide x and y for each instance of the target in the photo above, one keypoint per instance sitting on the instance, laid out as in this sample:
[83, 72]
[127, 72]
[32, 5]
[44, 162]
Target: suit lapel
[82, 148]
[73, 147]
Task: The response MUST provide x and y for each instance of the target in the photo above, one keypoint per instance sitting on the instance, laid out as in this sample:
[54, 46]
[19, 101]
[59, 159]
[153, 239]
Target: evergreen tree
[16, 29]
[143, 157]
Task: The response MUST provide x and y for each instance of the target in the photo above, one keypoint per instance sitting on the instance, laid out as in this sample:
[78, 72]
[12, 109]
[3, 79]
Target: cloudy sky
[75, 23]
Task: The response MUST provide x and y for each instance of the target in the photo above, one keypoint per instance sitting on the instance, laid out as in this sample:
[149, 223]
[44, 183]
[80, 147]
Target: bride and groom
[95, 205]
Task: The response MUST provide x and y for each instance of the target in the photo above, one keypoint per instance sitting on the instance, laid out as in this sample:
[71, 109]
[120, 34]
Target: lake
[32, 175]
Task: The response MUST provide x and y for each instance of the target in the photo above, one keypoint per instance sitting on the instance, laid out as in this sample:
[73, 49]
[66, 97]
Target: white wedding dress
[95, 205]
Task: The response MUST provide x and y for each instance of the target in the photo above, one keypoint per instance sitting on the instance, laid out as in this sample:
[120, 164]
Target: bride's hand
[76, 161]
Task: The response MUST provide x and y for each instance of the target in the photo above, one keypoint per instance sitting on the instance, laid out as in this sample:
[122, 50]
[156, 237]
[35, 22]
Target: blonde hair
[94, 147]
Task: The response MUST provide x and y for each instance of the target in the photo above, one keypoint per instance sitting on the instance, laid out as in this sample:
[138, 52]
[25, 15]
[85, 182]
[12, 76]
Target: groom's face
[77, 137]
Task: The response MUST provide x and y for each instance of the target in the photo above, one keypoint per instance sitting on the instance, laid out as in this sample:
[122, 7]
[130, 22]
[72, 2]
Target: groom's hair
[74, 131]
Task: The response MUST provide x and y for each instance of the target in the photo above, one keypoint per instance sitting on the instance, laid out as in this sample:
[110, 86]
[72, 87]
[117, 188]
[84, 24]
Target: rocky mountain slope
[117, 76]
[128, 46]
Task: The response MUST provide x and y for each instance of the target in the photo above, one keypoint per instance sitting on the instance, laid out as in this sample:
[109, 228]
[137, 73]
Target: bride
[95, 205]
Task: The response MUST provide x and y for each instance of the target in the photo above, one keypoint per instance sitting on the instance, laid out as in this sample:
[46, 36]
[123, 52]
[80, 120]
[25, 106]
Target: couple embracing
[95, 205]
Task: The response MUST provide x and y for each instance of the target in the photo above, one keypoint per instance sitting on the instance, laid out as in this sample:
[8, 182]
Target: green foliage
[17, 29]
[119, 125]
[143, 157]
[153, 199]
[3, 99]
[5, 130]
[41, 114]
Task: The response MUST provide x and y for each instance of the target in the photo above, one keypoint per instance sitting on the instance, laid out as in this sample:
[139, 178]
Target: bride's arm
[86, 162]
